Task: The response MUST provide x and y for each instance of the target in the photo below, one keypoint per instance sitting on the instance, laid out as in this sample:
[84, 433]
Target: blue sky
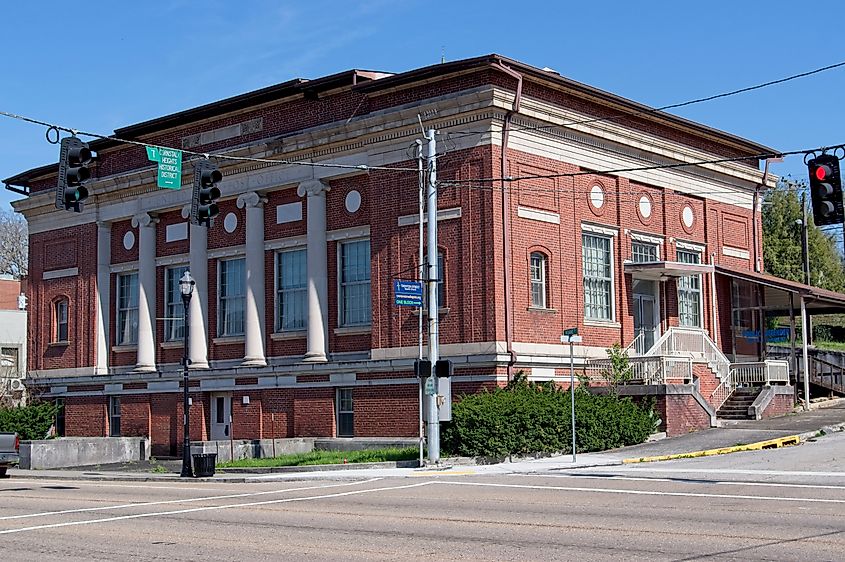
[119, 63]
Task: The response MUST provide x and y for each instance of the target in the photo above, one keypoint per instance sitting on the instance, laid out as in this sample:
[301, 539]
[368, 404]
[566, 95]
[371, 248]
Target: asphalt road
[785, 504]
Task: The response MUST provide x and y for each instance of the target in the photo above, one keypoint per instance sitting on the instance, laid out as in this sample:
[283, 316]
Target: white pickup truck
[9, 447]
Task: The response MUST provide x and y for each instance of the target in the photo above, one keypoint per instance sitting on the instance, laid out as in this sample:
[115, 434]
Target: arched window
[60, 308]
[537, 275]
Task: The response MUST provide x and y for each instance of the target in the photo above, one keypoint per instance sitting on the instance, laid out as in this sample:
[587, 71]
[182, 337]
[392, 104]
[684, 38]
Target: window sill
[292, 335]
[63, 343]
[228, 340]
[602, 323]
[172, 345]
[542, 310]
[124, 348]
[353, 330]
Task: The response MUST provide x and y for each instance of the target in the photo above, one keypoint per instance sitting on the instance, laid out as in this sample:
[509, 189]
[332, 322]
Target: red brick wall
[681, 414]
[85, 416]
[780, 405]
[9, 291]
[389, 410]
[313, 411]
[707, 379]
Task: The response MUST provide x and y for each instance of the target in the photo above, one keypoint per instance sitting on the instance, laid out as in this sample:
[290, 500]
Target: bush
[527, 418]
[30, 422]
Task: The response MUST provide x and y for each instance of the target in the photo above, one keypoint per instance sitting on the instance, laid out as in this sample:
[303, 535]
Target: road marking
[186, 500]
[753, 472]
[639, 492]
[676, 481]
[212, 508]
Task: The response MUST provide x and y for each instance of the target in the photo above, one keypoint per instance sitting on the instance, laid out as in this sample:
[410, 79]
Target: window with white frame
[127, 309]
[689, 292]
[231, 297]
[355, 299]
[598, 277]
[60, 320]
[291, 290]
[644, 252]
[537, 279]
[114, 416]
[174, 310]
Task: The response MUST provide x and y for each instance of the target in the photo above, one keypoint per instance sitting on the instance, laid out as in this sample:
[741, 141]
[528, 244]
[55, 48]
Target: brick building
[293, 328]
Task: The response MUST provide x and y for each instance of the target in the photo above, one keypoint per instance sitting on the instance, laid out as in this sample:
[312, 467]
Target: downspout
[506, 218]
[755, 206]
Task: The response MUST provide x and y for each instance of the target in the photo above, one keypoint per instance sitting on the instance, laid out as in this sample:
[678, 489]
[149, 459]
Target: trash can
[204, 464]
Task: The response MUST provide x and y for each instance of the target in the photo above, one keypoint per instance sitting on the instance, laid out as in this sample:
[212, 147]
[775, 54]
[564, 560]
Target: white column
[805, 325]
[198, 306]
[103, 296]
[254, 312]
[318, 292]
[146, 290]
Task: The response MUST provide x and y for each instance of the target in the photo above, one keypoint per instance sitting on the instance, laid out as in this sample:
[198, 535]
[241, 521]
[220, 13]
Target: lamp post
[186, 287]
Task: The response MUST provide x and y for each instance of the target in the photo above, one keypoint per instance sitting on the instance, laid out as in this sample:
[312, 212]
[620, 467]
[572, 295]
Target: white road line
[640, 492]
[697, 482]
[213, 508]
[751, 472]
[39, 483]
[186, 500]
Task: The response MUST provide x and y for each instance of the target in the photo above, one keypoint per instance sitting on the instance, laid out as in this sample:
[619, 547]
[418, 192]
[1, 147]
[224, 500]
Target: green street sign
[570, 332]
[169, 166]
[429, 386]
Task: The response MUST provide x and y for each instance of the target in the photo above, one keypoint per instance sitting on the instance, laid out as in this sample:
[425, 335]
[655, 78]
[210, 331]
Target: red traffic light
[822, 172]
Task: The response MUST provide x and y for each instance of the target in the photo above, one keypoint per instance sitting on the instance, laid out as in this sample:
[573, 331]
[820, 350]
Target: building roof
[373, 81]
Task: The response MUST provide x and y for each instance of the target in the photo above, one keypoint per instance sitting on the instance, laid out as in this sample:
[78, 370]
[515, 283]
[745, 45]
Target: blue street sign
[408, 293]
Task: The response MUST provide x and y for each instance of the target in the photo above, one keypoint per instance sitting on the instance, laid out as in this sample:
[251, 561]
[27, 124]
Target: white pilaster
[318, 294]
[198, 306]
[146, 290]
[103, 296]
[253, 203]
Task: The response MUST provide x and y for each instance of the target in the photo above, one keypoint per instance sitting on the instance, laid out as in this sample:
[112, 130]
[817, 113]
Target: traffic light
[74, 158]
[206, 193]
[826, 190]
[443, 368]
[422, 368]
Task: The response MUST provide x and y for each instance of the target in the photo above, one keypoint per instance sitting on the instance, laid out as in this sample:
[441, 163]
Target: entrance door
[221, 416]
[644, 321]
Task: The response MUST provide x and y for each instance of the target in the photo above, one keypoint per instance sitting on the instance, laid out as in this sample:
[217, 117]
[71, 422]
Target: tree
[782, 240]
[13, 244]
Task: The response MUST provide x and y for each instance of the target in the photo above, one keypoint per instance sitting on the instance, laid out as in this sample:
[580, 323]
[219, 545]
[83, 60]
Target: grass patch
[327, 457]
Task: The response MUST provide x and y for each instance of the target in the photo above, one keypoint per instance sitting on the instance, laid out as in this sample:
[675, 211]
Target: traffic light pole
[433, 343]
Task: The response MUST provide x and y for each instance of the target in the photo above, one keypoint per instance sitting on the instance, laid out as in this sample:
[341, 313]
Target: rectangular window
[441, 280]
[60, 417]
[598, 277]
[643, 252]
[345, 420]
[174, 311]
[61, 320]
[127, 309]
[291, 290]
[689, 292]
[355, 299]
[114, 416]
[538, 280]
[231, 297]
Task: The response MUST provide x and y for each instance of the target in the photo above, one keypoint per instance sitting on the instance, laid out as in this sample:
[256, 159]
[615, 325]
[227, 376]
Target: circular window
[645, 207]
[129, 240]
[230, 223]
[688, 217]
[597, 196]
[353, 201]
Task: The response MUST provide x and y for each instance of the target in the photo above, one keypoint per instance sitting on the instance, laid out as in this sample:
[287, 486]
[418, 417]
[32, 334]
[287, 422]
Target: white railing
[753, 374]
[646, 370]
[636, 345]
[694, 344]
[761, 373]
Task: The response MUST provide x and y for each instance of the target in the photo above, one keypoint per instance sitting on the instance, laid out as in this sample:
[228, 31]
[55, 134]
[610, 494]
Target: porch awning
[662, 270]
[776, 292]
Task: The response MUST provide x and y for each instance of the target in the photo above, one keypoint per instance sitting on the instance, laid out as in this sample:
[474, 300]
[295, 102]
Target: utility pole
[805, 245]
[421, 275]
[433, 305]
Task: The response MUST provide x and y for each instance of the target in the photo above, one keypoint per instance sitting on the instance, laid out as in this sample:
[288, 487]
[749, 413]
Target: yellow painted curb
[770, 444]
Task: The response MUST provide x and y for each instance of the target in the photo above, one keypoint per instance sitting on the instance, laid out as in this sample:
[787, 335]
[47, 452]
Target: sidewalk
[804, 424]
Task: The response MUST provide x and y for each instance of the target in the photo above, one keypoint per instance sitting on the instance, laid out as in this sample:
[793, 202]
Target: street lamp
[186, 287]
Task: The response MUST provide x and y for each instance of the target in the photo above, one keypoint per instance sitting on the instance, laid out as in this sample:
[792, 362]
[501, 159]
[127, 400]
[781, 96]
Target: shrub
[526, 418]
[30, 422]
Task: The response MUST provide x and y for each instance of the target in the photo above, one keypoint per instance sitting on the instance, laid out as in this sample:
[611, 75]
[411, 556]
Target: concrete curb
[759, 445]
[319, 467]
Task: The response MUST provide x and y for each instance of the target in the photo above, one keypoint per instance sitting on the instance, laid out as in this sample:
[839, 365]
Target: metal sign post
[571, 335]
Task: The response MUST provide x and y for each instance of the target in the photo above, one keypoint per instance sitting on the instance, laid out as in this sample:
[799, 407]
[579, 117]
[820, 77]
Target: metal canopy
[663, 270]
[776, 293]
